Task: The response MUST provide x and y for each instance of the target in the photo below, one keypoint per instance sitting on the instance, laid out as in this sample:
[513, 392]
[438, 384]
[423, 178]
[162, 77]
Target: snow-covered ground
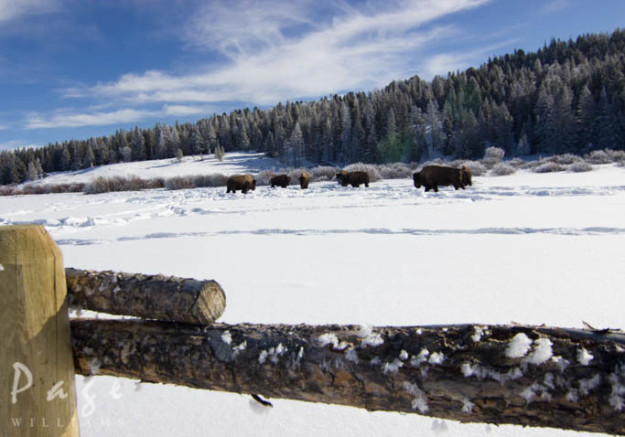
[526, 248]
[166, 168]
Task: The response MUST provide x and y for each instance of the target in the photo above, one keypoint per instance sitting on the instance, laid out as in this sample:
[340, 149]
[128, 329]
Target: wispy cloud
[442, 63]
[13, 9]
[67, 118]
[276, 52]
[555, 5]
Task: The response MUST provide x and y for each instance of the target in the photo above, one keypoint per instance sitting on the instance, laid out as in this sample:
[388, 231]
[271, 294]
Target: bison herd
[430, 177]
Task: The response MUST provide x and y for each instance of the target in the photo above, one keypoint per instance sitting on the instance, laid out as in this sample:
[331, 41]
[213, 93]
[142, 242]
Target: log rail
[530, 376]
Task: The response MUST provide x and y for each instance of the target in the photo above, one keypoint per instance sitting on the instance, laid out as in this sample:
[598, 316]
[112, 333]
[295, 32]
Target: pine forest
[568, 97]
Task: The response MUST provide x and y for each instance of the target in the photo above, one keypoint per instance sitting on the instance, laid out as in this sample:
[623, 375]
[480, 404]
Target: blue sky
[82, 68]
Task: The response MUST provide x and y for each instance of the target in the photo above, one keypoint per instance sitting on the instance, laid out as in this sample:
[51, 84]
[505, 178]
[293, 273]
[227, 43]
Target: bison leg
[436, 188]
[367, 184]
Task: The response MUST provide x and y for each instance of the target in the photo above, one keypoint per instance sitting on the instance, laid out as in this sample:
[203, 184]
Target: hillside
[568, 97]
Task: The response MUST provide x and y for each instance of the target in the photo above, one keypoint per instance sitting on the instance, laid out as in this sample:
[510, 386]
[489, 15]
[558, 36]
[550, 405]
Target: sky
[72, 69]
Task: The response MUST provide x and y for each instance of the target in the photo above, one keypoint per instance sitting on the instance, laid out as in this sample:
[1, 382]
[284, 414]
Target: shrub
[492, 156]
[211, 180]
[502, 169]
[372, 171]
[580, 166]
[616, 155]
[155, 183]
[322, 173]
[396, 170]
[6, 190]
[598, 157]
[178, 183]
[548, 167]
[264, 177]
[219, 153]
[476, 167]
[97, 186]
[566, 159]
[494, 153]
[517, 163]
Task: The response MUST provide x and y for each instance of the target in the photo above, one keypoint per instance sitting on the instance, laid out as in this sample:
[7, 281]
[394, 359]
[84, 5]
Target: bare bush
[566, 159]
[264, 177]
[494, 153]
[517, 163]
[322, 173]
[396, 170]
[155, 183]
[178, 183]
[616, 155]
[598, 157]
[211, 180]
[580, 166]
[502, 169]
[493, 156]
[33, 189]
[476, 167]
[549, 167]
[97, 186]
[6, 190]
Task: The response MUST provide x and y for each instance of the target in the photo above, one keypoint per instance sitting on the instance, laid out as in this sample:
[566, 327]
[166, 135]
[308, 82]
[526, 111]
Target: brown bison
[431, 176]
[304, 179]
[466, 176]
[240, 182]
[281, 180]
[353, 178]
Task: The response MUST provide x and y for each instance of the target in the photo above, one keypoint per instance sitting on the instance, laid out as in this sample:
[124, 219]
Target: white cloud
[65, 118]
[13, 9]
[442, 63]
[16, 144]
[275, 52]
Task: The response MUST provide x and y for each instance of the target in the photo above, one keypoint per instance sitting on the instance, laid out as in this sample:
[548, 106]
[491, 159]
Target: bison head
[416, 177]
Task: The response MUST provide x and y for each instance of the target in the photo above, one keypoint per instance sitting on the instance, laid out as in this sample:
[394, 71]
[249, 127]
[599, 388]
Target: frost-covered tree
[137, 145]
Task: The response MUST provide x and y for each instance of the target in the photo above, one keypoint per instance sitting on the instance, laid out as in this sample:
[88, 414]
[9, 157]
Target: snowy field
[525, 248]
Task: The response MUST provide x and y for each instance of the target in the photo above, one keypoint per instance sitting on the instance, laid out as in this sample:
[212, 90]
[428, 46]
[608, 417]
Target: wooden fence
[526, 375]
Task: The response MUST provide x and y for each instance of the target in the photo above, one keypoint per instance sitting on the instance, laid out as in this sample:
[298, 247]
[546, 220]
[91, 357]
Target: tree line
[567, 97]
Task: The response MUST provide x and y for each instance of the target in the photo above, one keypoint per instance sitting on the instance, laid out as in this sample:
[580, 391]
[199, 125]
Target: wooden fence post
[37, 380]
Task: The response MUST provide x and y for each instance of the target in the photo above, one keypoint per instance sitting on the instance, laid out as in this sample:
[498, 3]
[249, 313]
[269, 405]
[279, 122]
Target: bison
[304, 179]
[281, 180]
[431, 176]
[240, 182]
[353, 178]
[466, 176]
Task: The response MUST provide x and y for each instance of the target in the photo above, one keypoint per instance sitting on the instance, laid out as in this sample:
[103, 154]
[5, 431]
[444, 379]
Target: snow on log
[531, 376]
[154, 297]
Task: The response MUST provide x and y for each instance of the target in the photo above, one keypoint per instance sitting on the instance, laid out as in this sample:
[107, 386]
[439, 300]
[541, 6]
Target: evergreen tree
[89, 158]
[137, 146]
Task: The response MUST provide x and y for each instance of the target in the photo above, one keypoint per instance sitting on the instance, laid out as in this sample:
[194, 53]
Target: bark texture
[531, 376]
[153, 297]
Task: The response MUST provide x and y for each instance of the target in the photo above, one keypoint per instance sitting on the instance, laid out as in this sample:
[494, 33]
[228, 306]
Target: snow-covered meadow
[526, 248]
